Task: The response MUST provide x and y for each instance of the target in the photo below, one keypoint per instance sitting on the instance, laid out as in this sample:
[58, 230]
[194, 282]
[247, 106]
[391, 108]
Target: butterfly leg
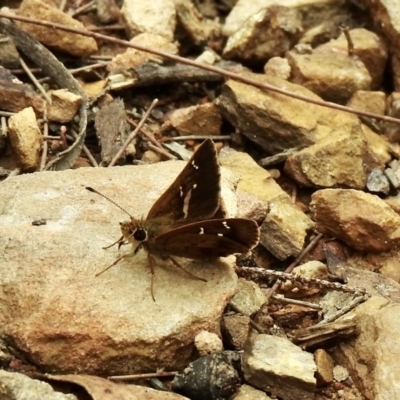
[120, 258]
[151, 261]
[120, 242]
[115, 263]
[184, 270]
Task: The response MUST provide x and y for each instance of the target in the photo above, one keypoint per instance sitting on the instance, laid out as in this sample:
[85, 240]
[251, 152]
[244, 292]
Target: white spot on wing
[194, 186]
[220, 234]
[180, 191]
[201, 231]
[195, 166]
[225, 224]
[186, 204]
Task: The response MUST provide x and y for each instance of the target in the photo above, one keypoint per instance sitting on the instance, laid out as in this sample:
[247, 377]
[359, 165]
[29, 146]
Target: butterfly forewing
[206, 239]
[195, 193]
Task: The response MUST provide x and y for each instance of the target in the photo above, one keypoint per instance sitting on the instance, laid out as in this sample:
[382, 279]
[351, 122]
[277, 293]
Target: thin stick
[86, 150]
[45, 143]
[161, 151]
[285, 300]
[133, 134]
[267, 273]
[85, 8]
[155, 145]
[34, 80]
[149, 137]
[115, 27]
[295, 263]
[100, 57]
[220, 71]
[348, 307]
[253, 324]
[6, 114]
[77, 70]
[350, 44]
[200, 137]
[20, 71]
[54, 137]
[88, 67]
[62, 5]
[142, 376]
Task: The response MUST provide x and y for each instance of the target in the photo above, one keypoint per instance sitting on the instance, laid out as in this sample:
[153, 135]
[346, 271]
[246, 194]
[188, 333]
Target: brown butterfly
[183, 222]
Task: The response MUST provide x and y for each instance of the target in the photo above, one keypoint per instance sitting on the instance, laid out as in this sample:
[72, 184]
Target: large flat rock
[68, 320]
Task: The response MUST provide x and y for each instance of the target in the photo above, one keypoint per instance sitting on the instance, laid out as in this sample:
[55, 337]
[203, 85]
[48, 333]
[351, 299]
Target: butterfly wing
[206, 239]
[195, 193]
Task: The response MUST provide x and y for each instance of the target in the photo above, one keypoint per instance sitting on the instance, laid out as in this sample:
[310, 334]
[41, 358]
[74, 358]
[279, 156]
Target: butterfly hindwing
[206, 239]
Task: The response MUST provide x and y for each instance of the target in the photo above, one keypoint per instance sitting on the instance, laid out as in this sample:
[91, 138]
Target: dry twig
[133, 134]
[45, 142]
[295, 263]
[34, 80]
[258, 273]
[225, 73]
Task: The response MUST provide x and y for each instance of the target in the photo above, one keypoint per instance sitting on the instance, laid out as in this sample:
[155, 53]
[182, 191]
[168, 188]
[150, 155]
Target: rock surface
[25, 139]
[204, 118]
[337, 160]
[362, 220]
[131, 58]
[145, 16]
[71, 43]
[277, 366]
[279, 234]
[16, 386]
[372, 358]
[67, 319]
[270, 32]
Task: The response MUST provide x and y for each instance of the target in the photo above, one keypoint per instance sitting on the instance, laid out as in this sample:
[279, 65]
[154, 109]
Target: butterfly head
[133, 231]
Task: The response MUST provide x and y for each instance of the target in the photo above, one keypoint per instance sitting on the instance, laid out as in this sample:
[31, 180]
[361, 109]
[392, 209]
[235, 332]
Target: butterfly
[186, 220]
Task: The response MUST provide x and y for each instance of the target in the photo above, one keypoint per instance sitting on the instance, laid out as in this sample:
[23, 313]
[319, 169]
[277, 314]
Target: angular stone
[72, 43]
[25, 139]
[277, 366]
[362, 220]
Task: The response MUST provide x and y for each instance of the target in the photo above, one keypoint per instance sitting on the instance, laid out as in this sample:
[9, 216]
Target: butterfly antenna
[111, 201]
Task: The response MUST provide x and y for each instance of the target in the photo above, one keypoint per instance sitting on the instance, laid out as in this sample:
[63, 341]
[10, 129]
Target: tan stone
[25, 139]
[72, 43]
[333, 76]
[131, 58]
[64, 106]
[203, 119]
[362, 220]
[157, 17]
[372, 357]
[336, 160]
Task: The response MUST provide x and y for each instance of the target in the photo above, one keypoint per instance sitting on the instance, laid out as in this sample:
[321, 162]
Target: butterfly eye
[140, 235]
